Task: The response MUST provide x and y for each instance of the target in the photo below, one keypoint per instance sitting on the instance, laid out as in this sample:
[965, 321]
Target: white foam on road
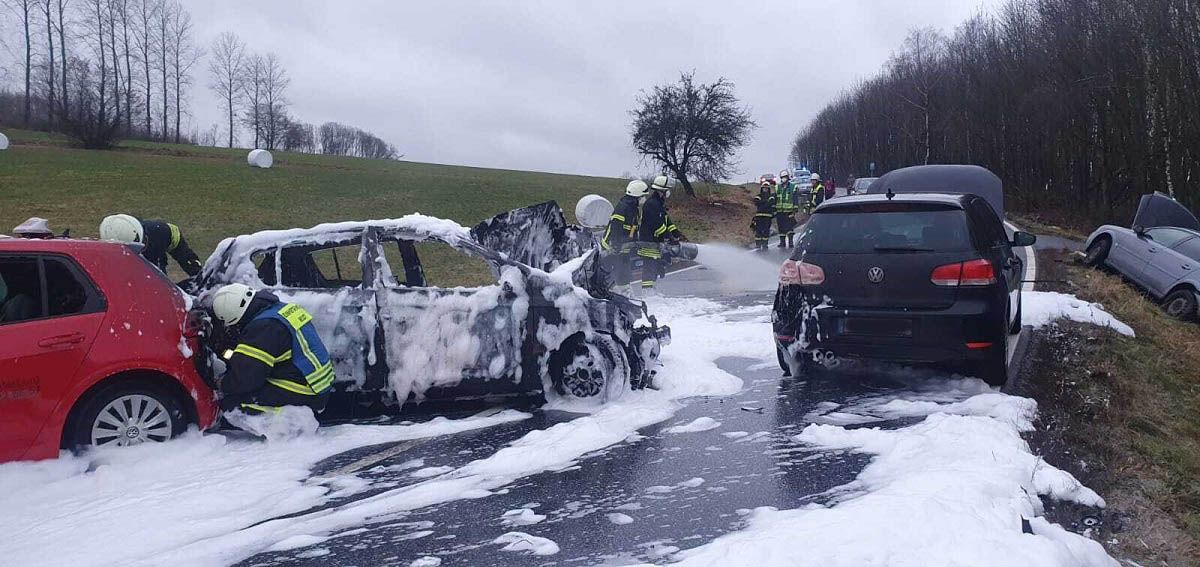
[695, 426]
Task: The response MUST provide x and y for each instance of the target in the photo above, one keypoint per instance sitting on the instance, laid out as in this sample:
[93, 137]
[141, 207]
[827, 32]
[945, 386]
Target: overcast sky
[548, 85]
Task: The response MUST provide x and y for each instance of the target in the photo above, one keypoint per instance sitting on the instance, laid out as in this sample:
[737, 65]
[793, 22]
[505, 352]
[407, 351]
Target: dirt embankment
[1123, 415]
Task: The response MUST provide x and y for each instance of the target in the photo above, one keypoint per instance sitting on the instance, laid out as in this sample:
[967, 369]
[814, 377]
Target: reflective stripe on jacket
[307, 354]
[785, 197]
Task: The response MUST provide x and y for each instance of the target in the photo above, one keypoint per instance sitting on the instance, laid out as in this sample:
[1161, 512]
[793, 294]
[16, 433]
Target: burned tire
[129, 412]
[1180, 304]
[1097, 252]
[595, 369]
[782, 357]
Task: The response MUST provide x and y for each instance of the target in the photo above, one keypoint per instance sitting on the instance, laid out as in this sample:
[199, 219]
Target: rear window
[886, 228]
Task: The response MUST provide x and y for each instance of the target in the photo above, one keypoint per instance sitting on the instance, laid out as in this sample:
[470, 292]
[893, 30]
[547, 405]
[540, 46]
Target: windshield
[886, 228]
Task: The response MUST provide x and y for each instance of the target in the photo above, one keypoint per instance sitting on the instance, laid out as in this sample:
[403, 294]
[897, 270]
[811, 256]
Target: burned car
[545, 322]
[1160, 253]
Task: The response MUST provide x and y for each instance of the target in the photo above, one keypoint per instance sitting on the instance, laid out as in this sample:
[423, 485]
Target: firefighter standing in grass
[622, 230]
[158, 238]
[764, 211]
[787, 202]
[279, 359]
[656, 228]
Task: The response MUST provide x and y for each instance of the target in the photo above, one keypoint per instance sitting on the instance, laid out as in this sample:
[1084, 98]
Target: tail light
[800, 273]
[970, 273]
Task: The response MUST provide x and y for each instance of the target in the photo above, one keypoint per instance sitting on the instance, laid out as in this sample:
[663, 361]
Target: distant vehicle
[395, 337]
[767, 178]
[862, 184]
[909, 276]
[1160, 253]
[93, 350]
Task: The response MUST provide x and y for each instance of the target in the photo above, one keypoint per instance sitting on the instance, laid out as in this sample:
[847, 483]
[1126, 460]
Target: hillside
[211, 192]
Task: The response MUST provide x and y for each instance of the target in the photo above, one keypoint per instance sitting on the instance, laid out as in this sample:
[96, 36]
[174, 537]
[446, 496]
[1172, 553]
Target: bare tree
[162, 34]
[143, 40]
[225, 68]
[274, 90]
[184, 55]
[128, 56]
[691, 129]
[252, 85]
[61, 6]
[48, 13]
[24, 9]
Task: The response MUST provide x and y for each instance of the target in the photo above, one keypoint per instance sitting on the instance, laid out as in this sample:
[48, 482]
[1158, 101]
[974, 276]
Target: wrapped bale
[260, 158]
[3, 142]
[593, 211]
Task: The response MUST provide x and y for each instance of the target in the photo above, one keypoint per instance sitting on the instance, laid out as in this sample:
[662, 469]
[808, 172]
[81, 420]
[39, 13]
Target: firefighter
[787, 202]
[764, 211]
[622, 230]
[158, 239]
[655, 229]
[279, 359]
[816, 195]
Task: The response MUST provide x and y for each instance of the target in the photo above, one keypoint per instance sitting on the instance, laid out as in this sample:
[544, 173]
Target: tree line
[1080, 106]
[102, 70]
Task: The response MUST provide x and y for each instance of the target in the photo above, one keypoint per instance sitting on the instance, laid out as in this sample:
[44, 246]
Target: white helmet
[637, 188]
[121, 228]
[231, 301]
[815, 177]
[785, 173]
[662, 183]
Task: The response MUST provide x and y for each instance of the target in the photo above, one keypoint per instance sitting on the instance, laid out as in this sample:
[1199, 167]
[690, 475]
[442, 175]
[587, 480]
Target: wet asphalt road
[637, 501]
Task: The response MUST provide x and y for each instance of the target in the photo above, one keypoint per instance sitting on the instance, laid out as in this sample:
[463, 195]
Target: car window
[65, 293]
[440, 264]
[1167, 236]
[886, 227]
[306, 266]
[986, 225]
[20, 290]
[338, 265]
[1190, 248]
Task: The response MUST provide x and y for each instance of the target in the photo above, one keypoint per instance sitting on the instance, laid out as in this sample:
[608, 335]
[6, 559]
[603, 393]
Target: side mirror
[1139, 230]
[1023, 239]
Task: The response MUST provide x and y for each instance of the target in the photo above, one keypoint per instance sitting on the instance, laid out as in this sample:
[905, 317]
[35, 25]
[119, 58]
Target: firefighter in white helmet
[787, 202]
[158, 239]
[656, 227]
[622, 230]
[816, 194]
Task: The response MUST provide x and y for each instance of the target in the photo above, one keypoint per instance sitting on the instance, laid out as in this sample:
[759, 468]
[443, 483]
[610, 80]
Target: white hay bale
[3, 142]
[260, 158]
[593, 211]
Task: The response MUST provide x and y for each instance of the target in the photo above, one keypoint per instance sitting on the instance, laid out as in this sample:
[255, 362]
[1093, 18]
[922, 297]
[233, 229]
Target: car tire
[1097, 252]
[595, 369]
[129, 412]
[782, 357]
[1180, 304]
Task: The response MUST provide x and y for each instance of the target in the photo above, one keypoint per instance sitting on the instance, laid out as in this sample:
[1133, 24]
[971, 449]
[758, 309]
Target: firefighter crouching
[279, 359]
[764, 211]
[787, 202]
[618, 242]
[655, 230]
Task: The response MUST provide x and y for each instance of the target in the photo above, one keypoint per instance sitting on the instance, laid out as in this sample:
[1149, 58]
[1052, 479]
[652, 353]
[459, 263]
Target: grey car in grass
[1160, 253]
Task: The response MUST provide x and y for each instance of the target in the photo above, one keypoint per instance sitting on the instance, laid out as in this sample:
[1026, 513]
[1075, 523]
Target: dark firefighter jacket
[623, 224]
[266, 369]
[656, 224]
[764, 204]
[162, 238]
[816, 196]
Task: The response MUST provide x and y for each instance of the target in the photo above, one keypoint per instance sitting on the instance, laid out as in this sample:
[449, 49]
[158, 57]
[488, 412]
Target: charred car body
[548, 324]
[1160, 253]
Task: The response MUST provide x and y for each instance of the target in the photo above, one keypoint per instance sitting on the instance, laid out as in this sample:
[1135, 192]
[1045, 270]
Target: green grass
[211, 193]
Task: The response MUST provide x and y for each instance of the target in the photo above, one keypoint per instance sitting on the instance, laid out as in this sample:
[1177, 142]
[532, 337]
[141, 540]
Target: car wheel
[127, 413]
[782, 357]
[1097, 252]
[589, 369]
[1181, 304]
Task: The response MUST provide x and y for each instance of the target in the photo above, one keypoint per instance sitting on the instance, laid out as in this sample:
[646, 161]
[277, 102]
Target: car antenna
[890, 194]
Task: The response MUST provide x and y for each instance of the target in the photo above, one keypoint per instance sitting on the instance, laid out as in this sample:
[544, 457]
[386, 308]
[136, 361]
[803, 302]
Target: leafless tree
[183, 57]
[48, 12]
[691, 129]
[274, 99]
[252, 86]
[24, 10]
[61, 6]
[143, 39]
[225, 68]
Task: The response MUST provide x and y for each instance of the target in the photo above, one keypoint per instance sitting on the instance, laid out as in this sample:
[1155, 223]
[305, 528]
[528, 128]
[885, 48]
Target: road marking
[373, 458]
[1030, 262]
[682, 270]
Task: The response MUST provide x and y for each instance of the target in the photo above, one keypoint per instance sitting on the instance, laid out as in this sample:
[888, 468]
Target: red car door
[49, 317]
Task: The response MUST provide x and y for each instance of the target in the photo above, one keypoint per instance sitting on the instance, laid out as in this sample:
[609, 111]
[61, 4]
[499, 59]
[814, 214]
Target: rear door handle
[1152, 249]
[1187, 266]
[62, 340]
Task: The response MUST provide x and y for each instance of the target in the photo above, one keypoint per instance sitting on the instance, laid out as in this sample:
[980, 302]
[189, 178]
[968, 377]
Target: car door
[994, 239]
[451, 341]
[52, 313]
[1163, 265]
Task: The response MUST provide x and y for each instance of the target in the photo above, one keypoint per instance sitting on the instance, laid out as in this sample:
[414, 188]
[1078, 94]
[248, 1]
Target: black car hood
[1159, 209]
[537, 236]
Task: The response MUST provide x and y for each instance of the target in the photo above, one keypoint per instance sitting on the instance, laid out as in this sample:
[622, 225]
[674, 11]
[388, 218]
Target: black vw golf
[920, 270]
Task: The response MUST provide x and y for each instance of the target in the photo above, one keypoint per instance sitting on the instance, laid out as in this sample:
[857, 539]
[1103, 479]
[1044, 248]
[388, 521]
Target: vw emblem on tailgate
[875, 274]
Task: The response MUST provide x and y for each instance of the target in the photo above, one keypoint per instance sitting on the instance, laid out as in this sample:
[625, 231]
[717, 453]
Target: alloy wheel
[131, 419]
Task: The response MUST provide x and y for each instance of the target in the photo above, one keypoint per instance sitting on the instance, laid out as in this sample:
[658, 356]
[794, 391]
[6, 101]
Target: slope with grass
[212, 193]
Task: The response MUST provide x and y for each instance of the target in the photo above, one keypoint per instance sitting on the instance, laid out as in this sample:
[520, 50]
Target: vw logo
[875, 274]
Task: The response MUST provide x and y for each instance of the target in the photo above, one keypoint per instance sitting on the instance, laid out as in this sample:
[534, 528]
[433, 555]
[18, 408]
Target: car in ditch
[95, 350]
[1160, 253]
[541, 318]
[920, 270]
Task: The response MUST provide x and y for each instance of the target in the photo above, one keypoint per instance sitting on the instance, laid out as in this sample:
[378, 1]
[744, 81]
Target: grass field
[211, 193]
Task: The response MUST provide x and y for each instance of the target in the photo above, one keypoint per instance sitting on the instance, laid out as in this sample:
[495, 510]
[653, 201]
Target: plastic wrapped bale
[260, 158]
[593, 211]
[3, 142]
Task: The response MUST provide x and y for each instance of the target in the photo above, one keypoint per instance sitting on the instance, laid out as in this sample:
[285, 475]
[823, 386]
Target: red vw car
[92, 350]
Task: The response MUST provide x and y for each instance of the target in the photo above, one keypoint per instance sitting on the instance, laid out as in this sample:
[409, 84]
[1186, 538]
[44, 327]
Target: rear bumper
[967, 331]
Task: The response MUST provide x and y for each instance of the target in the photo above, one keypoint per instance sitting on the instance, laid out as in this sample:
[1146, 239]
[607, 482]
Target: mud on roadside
[1088, 423]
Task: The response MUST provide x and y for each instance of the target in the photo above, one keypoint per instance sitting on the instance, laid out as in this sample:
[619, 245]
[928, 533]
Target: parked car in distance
[767, 178]
[93, 350]
[544, 322]
[861, 185]
[907, 276]
[1159, 253]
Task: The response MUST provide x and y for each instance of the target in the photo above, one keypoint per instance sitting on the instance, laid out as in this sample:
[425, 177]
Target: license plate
[878, 327]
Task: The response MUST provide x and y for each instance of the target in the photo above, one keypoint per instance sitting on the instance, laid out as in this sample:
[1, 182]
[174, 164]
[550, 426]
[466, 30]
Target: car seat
[16, 307]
